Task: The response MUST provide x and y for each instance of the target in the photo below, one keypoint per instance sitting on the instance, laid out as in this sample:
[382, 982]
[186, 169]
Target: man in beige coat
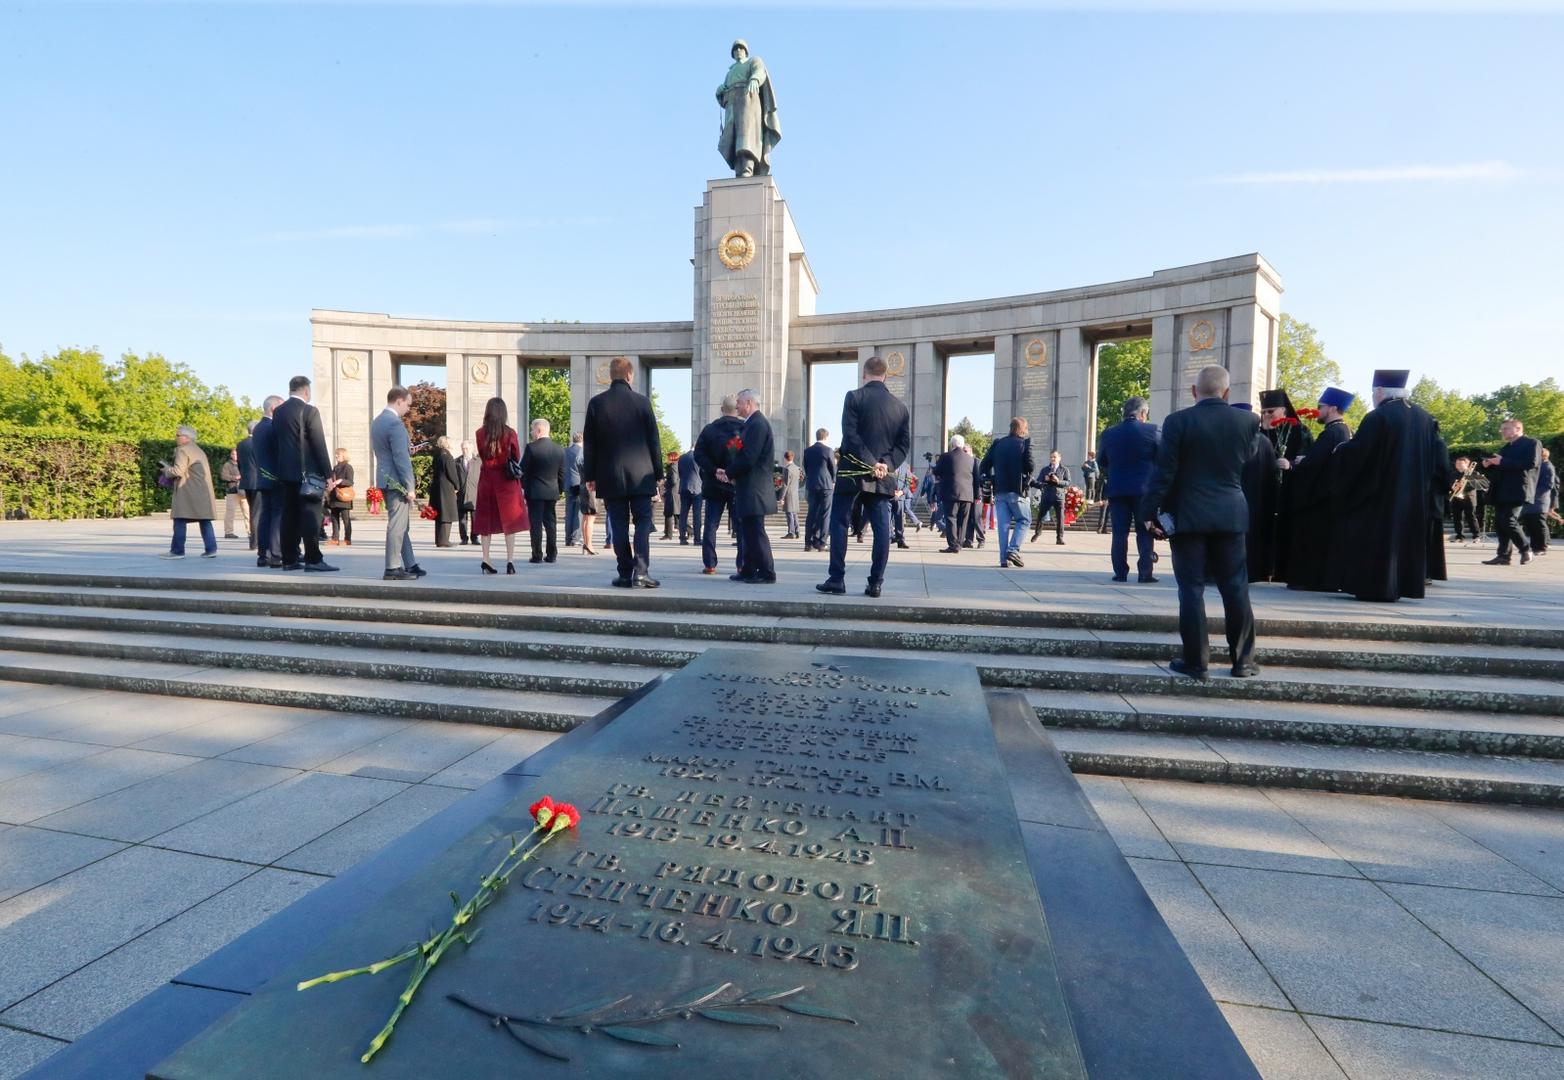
[191, 478]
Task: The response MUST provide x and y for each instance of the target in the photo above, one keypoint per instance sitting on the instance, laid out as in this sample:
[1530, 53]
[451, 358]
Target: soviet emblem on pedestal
[1202, 336]
[736, 249]
[352, 365]
[1036, 352]
[895, 365]
[480, 372]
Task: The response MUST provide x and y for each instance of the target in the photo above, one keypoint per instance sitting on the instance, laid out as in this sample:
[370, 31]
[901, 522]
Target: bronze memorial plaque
[787, 864]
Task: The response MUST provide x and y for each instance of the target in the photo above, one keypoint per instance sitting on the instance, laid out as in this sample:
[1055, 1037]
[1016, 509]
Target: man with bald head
[1196, 499]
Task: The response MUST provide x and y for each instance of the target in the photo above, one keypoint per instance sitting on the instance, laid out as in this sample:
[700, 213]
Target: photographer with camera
[1052, 480]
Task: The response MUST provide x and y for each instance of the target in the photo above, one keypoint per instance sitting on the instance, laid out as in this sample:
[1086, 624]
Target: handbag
[312, 486]
[344, 493]
[513, 466]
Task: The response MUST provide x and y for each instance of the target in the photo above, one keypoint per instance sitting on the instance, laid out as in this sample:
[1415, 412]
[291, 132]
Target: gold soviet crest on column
[736, 249]
[1202, 336]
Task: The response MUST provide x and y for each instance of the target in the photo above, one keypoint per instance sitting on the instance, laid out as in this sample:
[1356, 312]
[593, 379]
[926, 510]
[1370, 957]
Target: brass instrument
[1478, 482]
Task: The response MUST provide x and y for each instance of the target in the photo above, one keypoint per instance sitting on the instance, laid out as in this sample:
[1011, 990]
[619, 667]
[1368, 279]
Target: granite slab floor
[1343, 936]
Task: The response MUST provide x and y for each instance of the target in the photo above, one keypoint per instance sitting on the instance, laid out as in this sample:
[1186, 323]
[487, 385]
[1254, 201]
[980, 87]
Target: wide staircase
[1396, 708]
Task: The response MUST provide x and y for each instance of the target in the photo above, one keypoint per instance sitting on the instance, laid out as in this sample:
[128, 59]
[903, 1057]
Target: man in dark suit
[299, 442]
[953, 473]
[754, 492]
[1515, 470]
[542, 478]
[268, 514]
[819, 479]
[620, 456]
[1128, 451]
[713, 450]
[1198, 483]
[876, 437]
[975, 509]
[689, 497]
[248, 476]
[1008, 467]
[1053, 480]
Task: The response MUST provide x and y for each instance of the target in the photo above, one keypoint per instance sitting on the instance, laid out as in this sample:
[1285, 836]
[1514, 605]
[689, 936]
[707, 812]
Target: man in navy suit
[877, 436]
[267, 516]
[754, 491]
[1008, 467]
[1198, 481]
[689, 497]
[819, 479]
[1128, 450]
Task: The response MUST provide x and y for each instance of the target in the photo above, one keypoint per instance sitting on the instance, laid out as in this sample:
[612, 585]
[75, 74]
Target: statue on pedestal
[749, 115]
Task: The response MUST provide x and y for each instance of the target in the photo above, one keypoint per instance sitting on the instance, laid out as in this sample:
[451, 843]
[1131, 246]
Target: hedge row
[61, 474]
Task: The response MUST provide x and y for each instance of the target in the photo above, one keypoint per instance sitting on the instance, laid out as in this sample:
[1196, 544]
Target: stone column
[790, 433]
[507, 385]
[457, 366]
[1071, 372]
[926, 400]
[1164, 393]
[382, 376]
[1004, 382]
[581, 389]
[1250, 356]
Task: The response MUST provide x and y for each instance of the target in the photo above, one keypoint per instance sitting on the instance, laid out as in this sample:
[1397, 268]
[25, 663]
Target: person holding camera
[1052, 480]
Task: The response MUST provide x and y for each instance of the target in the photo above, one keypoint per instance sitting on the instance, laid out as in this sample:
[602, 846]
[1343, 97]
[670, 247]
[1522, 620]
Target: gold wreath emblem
[351, 366]
[1036, 352]
[895, 365]
[1202, 336]
[480, 372]
[736, 249]
[602, 375]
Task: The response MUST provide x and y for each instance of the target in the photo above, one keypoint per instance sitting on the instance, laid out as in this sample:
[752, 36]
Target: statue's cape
[768, 108]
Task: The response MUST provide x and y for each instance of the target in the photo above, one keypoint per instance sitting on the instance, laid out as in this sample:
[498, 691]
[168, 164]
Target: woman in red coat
[500, 508]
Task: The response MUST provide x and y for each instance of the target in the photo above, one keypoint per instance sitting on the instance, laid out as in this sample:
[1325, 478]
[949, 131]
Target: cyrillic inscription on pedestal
[735, 328]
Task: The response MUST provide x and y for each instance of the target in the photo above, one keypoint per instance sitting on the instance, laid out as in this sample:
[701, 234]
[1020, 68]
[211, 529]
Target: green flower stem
[427, 953]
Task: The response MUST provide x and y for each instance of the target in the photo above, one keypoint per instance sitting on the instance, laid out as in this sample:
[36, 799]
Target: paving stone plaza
[1361, 851]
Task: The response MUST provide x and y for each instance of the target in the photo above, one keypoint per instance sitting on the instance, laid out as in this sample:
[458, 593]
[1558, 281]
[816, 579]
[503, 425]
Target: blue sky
[192, 179]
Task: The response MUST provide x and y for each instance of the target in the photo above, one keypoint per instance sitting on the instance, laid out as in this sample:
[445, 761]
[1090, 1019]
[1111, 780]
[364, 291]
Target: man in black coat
[1313, 529]
[1197, 482]
[1008, 467]
[953, 473]
[819, 479]
[542, 479]
[621, 452]
[267, 516]
[1128, 452]
[689, 497]
[248, 476]
[1261, 492]
[1053, 480]
[1515, 470]
[754, 490]
[713, 450]
[299, 443]
[876, 438]
[1381, 485]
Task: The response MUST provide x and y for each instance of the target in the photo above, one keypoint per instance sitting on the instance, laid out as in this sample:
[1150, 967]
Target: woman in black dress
[339, 500]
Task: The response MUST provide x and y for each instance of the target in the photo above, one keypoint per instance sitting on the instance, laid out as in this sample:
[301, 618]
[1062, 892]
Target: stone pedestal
[751, 281]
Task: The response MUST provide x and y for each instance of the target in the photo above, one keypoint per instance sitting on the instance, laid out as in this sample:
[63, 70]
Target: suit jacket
[876, 429]
[572, 466]
[393, 457]
[819, 467]
[249, 473]
[299, 441]
[1053, 492]
[261, 442]
[754, 490]
[712, 453]
[689, 474]
[445, 486]
[1008, 464]
[1128, 450]
[542, 469]
[472, 471]
[1515, 477]
[621, 449]
[1547, 480]
[1199, 472]
[953, 471]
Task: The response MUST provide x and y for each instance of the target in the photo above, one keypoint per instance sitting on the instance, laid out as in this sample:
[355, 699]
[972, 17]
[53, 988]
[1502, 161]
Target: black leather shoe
[647, 583]
[1117, 578]
[902, 544]
[1060, 540]
[1497, 560]
[292, 566]
[536, 558]
[1176, 666]
[417, 571]
[1148, 580]
[398, 575]
[833, 588]
[1248, 671]
[738, 577]
[872, 591]
[551, 558]
[320, 567]
[263, 563]
[949, 551]
[622, 582]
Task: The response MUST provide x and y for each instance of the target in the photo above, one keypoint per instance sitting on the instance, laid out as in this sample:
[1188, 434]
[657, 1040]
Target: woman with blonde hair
[339, 500]
[445, 492]
[190, 475]
[499, 508]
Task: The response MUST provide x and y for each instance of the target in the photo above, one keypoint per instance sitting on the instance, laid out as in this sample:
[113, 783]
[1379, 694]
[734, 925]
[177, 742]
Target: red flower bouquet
[376, 499]
[429, 513]
[735, 444]
[1074, 501]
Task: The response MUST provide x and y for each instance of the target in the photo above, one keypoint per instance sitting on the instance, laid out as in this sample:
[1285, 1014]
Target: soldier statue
[749, 115]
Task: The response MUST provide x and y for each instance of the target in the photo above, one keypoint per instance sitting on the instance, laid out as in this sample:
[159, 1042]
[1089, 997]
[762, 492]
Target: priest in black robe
[1260, 491]
[1382, 502]
[1290, 439]
[1312, 483]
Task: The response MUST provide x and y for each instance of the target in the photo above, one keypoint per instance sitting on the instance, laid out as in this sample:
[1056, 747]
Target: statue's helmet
[739, 44]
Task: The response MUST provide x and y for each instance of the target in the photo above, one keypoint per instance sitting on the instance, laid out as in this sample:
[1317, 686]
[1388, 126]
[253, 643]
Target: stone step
[503, 708]
[752, 606]
[34, 608]
[1266, 763]
[1443, 730]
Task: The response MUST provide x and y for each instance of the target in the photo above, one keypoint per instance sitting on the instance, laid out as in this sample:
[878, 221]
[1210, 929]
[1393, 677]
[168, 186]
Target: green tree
[1540, 406]
[1123, 372]
[979, 441]
[1461, 419]
[1302, 368]
[670, 440]
[548, 398]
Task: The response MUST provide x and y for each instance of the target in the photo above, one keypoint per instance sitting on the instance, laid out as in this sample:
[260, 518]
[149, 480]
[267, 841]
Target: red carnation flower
[565, 817]
[542, 811]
